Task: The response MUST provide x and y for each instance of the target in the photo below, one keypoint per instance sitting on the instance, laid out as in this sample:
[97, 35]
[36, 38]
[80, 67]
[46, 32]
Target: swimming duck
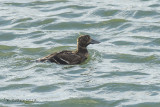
[71, 57]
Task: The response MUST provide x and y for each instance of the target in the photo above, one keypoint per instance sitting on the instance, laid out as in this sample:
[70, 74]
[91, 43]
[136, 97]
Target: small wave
[45, 88]
[128, 58]
[113, 23]
[142, 14]
[15, 86]
[105, 13]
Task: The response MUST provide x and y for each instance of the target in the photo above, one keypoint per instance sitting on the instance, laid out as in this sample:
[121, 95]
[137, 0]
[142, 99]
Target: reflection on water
[121, 71]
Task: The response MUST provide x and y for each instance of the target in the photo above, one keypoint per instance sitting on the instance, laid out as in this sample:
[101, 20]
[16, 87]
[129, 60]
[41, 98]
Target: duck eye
[87, 38]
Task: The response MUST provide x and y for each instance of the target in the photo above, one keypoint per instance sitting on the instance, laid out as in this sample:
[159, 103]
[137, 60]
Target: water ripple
[121, 71]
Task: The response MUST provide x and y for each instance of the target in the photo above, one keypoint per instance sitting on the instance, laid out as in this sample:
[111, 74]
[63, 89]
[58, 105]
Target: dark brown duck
[71, 57]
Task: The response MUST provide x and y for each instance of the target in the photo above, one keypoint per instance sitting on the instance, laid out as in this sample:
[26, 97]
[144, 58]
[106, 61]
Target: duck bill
[94, 41]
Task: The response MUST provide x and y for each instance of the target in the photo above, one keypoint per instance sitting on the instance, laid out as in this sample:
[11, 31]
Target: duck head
[85, 40]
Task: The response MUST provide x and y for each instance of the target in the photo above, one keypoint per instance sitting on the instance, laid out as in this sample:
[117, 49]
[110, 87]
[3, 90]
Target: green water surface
[121, 71]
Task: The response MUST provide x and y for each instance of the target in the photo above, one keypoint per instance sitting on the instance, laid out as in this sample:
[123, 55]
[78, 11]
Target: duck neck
[81, 49]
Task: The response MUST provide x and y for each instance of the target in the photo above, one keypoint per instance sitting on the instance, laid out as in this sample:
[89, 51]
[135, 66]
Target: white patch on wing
[64, 60]
[56, 61]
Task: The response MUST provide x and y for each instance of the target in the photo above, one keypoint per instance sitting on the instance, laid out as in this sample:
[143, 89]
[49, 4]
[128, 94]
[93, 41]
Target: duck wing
[46, 58]
[64, 57]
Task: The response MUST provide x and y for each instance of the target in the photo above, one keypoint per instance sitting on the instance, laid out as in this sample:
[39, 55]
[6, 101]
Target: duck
[71, 57]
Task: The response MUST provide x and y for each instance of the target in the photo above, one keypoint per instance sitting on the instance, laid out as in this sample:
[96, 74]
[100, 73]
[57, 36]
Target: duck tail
[42, 60]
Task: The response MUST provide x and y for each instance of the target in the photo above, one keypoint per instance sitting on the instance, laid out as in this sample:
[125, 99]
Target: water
[122, 71]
